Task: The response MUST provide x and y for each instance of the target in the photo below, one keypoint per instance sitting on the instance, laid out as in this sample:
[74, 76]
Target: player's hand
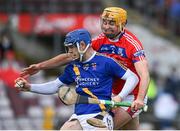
[31, 70]
[116, 98]
[21, 84]
[137, 104]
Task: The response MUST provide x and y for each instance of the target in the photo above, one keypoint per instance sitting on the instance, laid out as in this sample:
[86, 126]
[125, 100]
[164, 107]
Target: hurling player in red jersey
[120, 44]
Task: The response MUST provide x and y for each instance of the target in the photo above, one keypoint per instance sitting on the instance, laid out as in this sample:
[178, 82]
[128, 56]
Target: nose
[69, 51]
[106, 26]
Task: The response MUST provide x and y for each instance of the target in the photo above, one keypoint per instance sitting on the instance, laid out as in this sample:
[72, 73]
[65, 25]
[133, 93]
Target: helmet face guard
[116, 14]
[69, 41]
[75, 37]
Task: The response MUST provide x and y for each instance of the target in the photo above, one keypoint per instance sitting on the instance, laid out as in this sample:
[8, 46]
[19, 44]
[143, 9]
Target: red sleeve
[137, 52]
[135, 48]
[97, 42]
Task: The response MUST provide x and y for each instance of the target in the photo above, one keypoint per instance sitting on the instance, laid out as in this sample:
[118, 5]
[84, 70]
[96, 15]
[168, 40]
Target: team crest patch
[139, 53]
[86, 66]
[111, 49]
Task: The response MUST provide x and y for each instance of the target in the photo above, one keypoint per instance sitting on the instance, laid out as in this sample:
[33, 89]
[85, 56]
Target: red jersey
[127, 50]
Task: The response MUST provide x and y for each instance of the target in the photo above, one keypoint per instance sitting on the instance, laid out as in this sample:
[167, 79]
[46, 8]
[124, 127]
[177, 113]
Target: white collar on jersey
[115, 40]
[94, 53]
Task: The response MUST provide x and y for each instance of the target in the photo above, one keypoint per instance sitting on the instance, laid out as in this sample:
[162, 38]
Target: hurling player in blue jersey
[93, 74]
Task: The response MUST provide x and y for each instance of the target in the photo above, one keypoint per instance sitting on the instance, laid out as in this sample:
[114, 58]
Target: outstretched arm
[59, 60]
[47, 88]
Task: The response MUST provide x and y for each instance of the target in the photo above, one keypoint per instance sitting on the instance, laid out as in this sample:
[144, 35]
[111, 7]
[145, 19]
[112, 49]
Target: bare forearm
[142, 70]
[59, 60]
[143, 86]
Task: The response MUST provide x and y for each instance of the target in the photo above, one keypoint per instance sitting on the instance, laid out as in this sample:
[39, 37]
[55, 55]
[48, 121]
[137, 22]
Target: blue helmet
[76, 36]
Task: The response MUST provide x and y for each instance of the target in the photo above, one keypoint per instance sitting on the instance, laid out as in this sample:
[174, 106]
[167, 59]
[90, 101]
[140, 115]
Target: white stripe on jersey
[134, 43]
[133, 40]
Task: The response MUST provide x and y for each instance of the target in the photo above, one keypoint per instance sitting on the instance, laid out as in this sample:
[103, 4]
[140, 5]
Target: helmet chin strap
[121, 27]
[81, 53]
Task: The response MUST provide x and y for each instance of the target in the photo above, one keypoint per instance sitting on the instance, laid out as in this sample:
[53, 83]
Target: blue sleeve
[115, 69]
[66, 77]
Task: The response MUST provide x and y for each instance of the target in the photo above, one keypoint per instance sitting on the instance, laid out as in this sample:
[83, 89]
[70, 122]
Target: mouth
[74, 57]
[108, 31]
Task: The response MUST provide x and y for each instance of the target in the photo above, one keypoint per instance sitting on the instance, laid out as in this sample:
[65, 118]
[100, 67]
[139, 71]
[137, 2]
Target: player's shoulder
[131, 39]
[129, 34]
[72, 64]
[109, 60]
[104, 57]
[99, 37]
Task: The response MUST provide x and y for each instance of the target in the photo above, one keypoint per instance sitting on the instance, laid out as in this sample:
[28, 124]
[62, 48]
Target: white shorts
[83, 121]
[131, 98]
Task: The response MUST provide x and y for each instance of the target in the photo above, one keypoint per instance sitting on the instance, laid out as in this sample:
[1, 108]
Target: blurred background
[33, 30]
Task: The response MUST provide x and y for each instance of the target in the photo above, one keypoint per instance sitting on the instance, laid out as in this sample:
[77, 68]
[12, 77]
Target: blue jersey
[94, 79]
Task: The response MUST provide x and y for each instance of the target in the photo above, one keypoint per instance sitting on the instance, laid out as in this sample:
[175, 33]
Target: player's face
[109, 28]
[73, 51]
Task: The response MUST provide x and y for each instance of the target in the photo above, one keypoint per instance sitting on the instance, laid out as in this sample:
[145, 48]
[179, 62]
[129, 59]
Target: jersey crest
[112, 49]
